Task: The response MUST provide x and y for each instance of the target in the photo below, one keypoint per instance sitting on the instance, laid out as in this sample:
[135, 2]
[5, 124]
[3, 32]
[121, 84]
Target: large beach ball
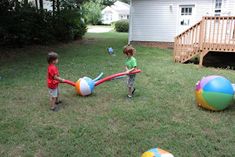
[214, 93]
[157, 152]
[85, 86]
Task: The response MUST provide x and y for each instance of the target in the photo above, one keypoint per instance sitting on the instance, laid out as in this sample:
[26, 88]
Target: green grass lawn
[163, 112]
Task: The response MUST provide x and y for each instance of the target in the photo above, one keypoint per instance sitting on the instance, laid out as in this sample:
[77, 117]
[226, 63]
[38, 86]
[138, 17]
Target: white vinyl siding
[229, 8]
[148, 23]
[158, 20]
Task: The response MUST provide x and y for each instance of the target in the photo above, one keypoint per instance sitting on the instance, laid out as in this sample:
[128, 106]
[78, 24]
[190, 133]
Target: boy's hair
[129, 49]
[51, 57]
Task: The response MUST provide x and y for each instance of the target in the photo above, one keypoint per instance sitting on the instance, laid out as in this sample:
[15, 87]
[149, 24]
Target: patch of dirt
[17, 151]
[12, 53]
[161, 45]
[39, 154]
[88, 41]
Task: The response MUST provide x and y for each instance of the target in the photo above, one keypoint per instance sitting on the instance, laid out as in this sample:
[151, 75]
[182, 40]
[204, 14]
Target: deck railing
[219, 34]
[187, 41]
[210, 34]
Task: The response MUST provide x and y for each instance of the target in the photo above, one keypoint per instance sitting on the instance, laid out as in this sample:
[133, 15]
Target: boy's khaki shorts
[54, 92]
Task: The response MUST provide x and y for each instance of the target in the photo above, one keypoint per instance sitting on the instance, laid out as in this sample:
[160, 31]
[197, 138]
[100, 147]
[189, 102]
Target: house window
[186, 14]
[106, 17]
[218, 6]
[186, 10]
[185, 22]
[128, 16]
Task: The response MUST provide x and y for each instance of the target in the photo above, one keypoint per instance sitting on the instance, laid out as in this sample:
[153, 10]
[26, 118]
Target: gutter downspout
[130, 23]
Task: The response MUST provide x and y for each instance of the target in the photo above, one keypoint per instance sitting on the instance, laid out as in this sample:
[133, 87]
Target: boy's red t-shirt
[52, 70]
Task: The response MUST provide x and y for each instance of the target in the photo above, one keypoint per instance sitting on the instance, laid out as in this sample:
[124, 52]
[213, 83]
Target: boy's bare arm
[130, 70]
[58, 78]
[126, 68]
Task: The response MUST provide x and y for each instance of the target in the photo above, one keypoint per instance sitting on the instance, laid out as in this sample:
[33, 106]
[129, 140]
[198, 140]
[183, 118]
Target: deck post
[201, 35]
[174, 51]
[202, 55]
[201, 59]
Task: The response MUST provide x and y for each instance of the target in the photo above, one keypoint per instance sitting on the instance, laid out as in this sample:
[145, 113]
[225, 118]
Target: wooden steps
[215, 34]
[187, 56]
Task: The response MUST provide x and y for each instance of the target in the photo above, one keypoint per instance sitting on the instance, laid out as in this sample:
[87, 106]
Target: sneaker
[133, 91]
[58, 102]
[129, 96]
[55, 109]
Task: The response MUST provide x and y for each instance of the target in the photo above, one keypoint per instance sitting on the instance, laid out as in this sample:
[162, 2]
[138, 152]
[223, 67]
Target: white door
[186, 17]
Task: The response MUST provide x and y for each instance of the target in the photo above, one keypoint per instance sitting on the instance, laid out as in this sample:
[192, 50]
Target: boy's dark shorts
[131, 81]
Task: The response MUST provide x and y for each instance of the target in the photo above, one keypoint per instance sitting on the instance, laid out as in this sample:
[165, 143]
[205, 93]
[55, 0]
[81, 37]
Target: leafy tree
[22, 24]
[92, 12]
[104, 2]
[125, 1]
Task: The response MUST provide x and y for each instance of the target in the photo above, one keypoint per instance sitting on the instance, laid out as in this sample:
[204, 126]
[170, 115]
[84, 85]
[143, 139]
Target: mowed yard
[107, 124]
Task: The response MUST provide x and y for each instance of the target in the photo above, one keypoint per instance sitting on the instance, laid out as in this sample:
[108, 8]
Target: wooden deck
[215, 34]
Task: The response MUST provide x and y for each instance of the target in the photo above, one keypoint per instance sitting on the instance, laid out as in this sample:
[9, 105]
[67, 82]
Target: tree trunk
[26, 2]
[41, 4]
[17, 4]
[58, 6]
[53, 7]
[36, 4]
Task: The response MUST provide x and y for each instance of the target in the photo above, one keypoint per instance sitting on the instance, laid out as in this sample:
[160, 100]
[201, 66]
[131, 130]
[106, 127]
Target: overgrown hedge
[26, 25]
[122, 26]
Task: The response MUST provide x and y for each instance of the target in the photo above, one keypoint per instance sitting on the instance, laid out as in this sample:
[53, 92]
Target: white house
[162, 20]
[46, 4]
[117, 11]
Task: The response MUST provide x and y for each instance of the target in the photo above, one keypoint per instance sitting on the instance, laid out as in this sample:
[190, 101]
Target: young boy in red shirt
[53, 79]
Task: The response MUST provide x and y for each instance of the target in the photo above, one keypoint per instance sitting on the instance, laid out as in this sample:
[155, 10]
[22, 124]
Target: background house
[117, 11]
[162, 20]
[46, 4]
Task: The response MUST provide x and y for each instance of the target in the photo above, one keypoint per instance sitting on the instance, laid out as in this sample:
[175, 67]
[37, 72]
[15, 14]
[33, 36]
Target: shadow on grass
[217, 60]
[229, 109]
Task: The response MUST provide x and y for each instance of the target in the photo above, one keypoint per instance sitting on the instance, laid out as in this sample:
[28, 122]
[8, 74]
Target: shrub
[68, 25]
[26, 25]
[122, 26]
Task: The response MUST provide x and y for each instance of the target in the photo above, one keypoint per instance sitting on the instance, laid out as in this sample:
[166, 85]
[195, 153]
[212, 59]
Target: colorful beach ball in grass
[214, 93]
[85, 86]
[157, 152]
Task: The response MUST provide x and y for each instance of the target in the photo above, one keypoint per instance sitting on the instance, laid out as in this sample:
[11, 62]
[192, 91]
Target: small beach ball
[214, 93]
[85, 86]
[157, 152]
[110, 50]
